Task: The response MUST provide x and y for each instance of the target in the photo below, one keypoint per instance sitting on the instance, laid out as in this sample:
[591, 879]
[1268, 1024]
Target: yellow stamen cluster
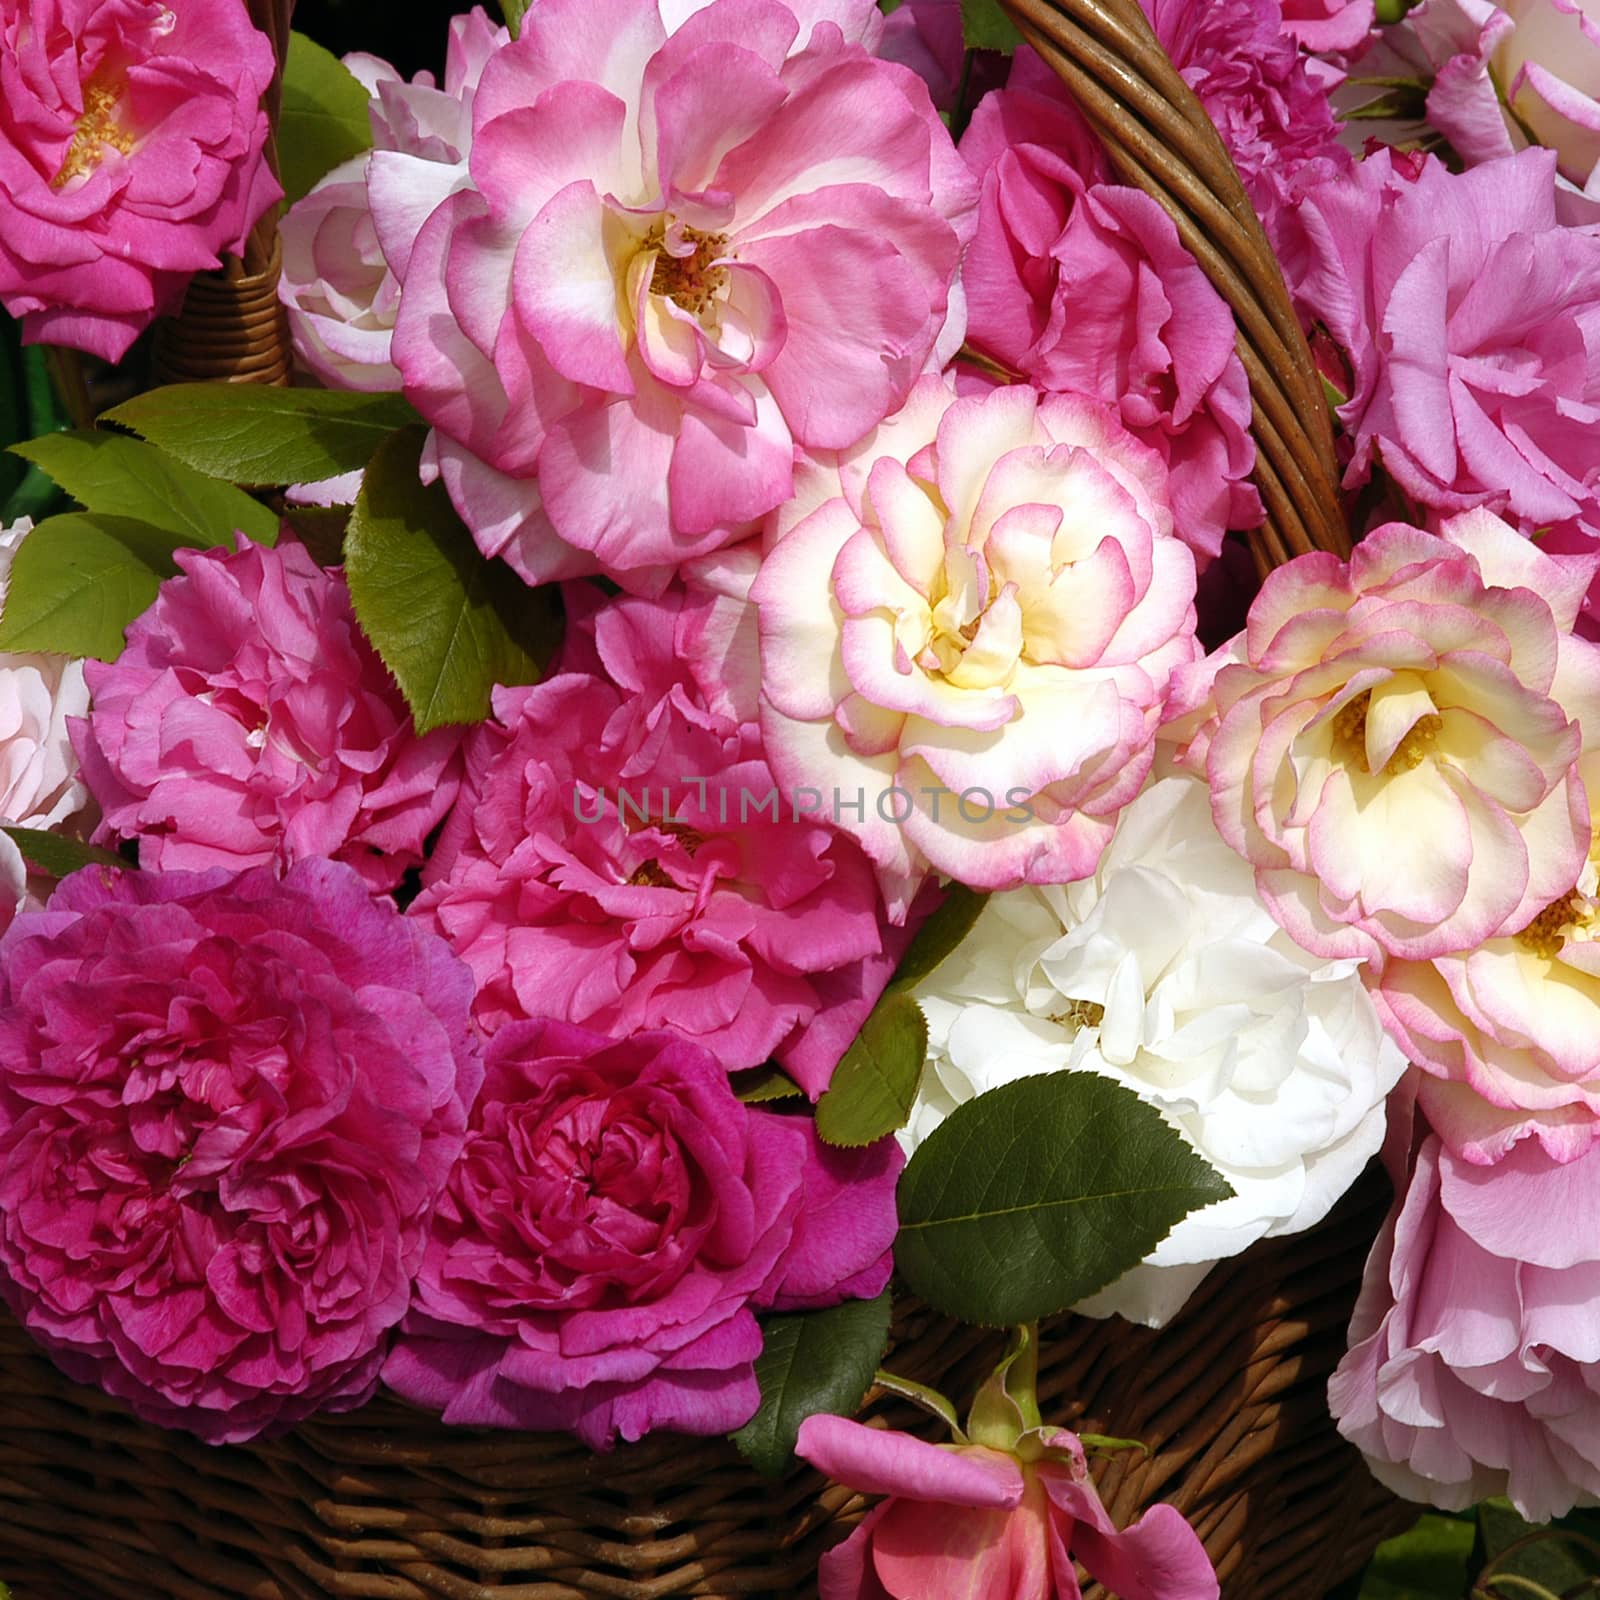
[1548, 931]
[97, 128]
[651, 874]
[1350, 733]
[692, 281]
[1080, 1014]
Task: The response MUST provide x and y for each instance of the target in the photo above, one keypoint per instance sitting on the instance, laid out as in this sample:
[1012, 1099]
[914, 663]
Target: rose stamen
[692, 281]
[1080, 1014]
[1350, 735]
[97, 128]
[1572, 916]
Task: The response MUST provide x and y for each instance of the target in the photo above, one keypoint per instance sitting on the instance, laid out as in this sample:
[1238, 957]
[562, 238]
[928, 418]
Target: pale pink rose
[638, 310]
[972, 1520]
[131, 138]
[968, 623]
[1081, 285]
[338, 284]
[1337, 26]
[1467, 314]
[1474, 1364]
[622, 858]
[1509, 1033]
[926, 35]
[1502, 76]
[1241, 59]
[1392, 742]
[249, 721]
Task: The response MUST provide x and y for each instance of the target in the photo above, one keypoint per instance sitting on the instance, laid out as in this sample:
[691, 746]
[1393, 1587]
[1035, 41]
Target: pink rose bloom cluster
[993, 1524]
[1428, 689]
[616, 1219]
[131, 157]
[1474, 1367]
[625, 326]
[340, 288]
[249, 721]
[227, 1107]
[1467, 314]
[1081, 285]
[968, 626]
[622, 858]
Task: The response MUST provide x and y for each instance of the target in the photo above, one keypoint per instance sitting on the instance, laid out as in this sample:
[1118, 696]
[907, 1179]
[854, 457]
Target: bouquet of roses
[722, 741]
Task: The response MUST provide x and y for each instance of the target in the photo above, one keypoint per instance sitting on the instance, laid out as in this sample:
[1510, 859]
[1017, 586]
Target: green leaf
[111, 473]
[449, 623]
[1040, 1193]
[986, 26]
[1560, 1555]
[514, 11]
[1431, 1561]
[51, 854]
[79, 579]
[257, 435]
[324, 119]
[875, 1083]
[940, 934]
[762, 1085]
[816, 1361]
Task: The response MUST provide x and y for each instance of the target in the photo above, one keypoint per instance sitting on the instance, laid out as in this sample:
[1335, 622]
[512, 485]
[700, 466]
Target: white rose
[1165, 972]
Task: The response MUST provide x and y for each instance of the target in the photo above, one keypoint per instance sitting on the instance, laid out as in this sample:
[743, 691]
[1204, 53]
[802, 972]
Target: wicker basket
[388, 1504]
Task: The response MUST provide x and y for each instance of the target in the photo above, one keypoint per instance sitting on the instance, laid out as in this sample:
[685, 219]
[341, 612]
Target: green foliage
[79, 579]
[258, 435]
[1431, 1561]
[119, 476]
[56, 857]
[875, 1083]
[1562, 1557]
[940, 934]
[514, 11]
[762, 1085]
[28, 406]
[815, 1361]
[448, 622]
[324, 118]
[1040, 1193]
[986, 26]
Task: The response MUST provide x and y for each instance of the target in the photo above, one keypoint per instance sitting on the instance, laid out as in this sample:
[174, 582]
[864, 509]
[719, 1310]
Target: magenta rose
[1467, 314]
[227, 1106]
[131, 137]
[249, 721]
[1082, 286]
[1474, 1363]
[622, 857]
[615, 1221]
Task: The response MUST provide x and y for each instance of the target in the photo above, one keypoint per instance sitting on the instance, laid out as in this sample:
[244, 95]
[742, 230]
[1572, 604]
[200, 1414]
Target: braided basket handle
[1159, 138]
[232, 328]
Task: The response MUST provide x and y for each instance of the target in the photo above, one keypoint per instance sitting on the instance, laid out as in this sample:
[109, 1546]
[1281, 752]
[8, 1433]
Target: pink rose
[622, 858]
[1426, 691]
[968, 623]
[250, 721]
[1000, 1524]
[621, 344]
[1271, 108]
[338, 283]
[1082, 286]
[131, 137]
[1474, 1364]
[1466, 313]
[1328, 25]
[227, 1106]
[615, 1220]
[927, 36]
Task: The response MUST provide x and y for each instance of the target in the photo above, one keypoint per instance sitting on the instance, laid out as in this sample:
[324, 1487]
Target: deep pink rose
[131, 137]
[227, 1106]
[1082, 286]
[1329, 25]
[1474, 1364]
[622, 857]
[926, 35]
[616, 1219]
[1468, 317]
[250, 721]
[1270, 106]
[975, 1521]
[689, 246]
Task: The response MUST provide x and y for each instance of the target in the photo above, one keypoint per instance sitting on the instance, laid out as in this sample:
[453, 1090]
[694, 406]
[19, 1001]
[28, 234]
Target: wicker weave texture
[387, 1504]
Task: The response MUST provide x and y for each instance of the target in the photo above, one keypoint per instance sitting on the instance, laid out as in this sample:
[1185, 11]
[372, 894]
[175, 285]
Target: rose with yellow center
[968, 624]
[1392, 742]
